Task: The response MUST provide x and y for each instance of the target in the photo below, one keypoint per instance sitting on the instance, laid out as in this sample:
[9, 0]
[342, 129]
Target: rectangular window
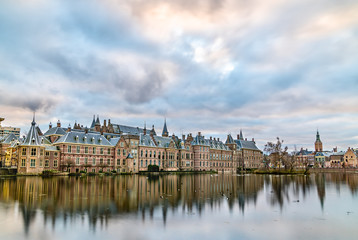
[33, 151]
[119, 152]
[86, 149]
[47, 153]
[118, 161]
[78, 149]
[46, 163]
[56, 154]
[41, 152]
[101, 161]
[108, 151]
[32, 162]
[101, 151]
[122, 144]
[94, 161]
[55, 163]
[77, 161]
[94, 150]
[23, 162]
[124, 162]
[23, 151]
[109, 161]
[86, 160]
[69, 149]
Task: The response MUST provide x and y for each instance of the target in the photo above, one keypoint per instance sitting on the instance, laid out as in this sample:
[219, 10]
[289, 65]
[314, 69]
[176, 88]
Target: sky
[272, 68]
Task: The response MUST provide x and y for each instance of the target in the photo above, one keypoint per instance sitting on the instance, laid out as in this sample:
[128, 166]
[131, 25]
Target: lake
[188, 206]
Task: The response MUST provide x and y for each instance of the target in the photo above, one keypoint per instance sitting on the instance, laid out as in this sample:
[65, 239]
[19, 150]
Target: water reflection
[98, 200]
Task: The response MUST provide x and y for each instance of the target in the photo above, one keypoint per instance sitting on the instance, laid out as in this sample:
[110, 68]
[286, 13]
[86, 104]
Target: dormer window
[33, 141]
[100, 140]
[76, 138]
[85, 139]
[92, 139]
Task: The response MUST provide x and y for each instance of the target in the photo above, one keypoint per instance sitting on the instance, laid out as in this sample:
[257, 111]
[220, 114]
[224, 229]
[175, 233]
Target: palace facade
[126, 149]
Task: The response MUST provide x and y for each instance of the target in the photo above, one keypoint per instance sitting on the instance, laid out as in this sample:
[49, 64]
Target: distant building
[8, 130]
[350, 158]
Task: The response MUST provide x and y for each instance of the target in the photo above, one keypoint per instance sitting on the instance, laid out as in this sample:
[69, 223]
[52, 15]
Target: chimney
[214, 139]
[50, 125]
[69, 128]
[58, 123]
[211, 138]
[245, 139]
[199, 133]
[238, 136]
[183, 137]
[105, 122]
[253, 139]
[218, 139]
[109, 122]
[335, 149]
[86, 129]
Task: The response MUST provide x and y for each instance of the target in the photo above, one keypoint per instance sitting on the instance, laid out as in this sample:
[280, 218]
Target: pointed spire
[93, 121]
[165, 132]
[97, 121]
[318, 139]
[33, 120]
[241, 135]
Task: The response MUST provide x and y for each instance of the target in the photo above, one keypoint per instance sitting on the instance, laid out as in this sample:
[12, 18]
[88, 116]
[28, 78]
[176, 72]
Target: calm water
[319, 206]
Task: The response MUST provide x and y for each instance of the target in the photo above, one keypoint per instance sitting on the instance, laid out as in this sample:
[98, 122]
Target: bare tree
[277, 152]
[290, 160]
[68, 163]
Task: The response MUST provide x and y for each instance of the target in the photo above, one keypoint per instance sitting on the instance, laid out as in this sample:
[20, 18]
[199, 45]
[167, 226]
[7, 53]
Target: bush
[48, 173]
[91, 174]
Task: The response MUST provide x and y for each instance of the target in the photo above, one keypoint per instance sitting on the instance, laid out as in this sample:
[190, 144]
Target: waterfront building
[305, 158]
[126, 149]
[336, 159]
[350, 158]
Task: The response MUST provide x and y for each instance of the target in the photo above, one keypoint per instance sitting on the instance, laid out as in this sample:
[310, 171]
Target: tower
[318, 144]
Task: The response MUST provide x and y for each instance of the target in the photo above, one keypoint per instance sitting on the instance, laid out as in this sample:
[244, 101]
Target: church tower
[318, 144]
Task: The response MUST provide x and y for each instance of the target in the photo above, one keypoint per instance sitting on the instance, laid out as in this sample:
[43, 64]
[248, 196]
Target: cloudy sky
[269, 67]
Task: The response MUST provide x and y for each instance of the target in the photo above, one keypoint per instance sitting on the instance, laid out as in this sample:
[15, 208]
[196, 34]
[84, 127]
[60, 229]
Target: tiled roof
[55, 131]
[8, 138]
[117, 128]
[114, 141]
[146, 140]
[243, 144]
[84, 138]
[229, 139]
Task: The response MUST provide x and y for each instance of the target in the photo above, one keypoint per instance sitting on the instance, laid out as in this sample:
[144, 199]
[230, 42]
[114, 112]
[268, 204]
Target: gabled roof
[123, 129]
[243, 144]
[164, 142]
[229, 139]
[8, 138]
[55, 131]
[84, 138]
[146, 140]
[200, 140]
[114, 141]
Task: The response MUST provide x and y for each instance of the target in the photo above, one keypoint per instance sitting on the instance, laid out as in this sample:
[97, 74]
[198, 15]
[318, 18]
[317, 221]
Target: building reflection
[100, 199]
